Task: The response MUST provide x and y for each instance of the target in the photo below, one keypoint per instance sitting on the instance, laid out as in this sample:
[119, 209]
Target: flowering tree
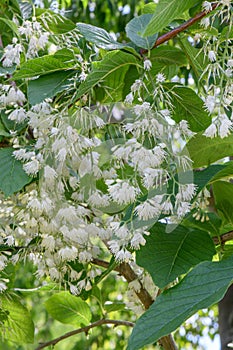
[115, 157]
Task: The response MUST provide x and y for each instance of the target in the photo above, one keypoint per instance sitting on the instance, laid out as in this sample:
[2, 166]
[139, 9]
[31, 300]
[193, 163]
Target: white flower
[212, 56]
[48, 242]
[205, 22]
[148, 210]
[19, 115]
[68, 254]
[82, 76]
[123, 255]
[160, 78]
[225, 126]
[210, 103]
[9, 240]
[123, 193]
[3, 287]
[207, 6]
[50, 175]
[74, 290]
[85, 257]
[54, 274]
[32, 167]
[136, 85]
[137, 240]
[147, 64]
[211, 131]
[129, 98]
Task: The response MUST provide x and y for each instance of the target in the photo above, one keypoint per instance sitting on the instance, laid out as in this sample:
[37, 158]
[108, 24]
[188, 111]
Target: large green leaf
[67, 308]
[101, 38]
[204, 150]
[12, 176]
[223, 194]
[110, 72]
[166, 55]
[48, 86]
[204, 286]
[225, 173]
[17, 324]
[165, 12]
[137, 26]
[61, 60]
[188, 106]
[168, 255]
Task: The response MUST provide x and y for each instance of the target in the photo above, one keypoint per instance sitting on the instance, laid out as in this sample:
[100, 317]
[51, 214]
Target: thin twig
[84, 330]
[174, 32]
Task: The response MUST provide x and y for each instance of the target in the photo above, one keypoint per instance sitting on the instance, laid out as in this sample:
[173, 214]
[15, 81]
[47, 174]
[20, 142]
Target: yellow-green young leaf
[204, 286]
[110, 72]
[204, 150]
[166, 11]
[12, 176]
[168, 255]
[223, 194]
[17, 325]
[67, 308]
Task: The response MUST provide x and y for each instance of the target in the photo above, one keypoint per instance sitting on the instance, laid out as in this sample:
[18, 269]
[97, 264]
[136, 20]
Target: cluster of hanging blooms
[99, 183]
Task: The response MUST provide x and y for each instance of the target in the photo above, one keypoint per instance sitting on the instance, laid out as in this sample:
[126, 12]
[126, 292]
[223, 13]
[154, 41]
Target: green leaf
[3, 131]
[212, 226]
[196, 57]
[137, 26]
[110, 72]
[204, 286]
[168, 255]
[12, 176]
[61, 60]
[166, 11]
[188, 106]
[223, 193]
[18, 325]
[165, 56]
[10, 24]
[149, 8]
[204, 150]
[67, 308]
[205, 176]
[116, 306]
[100, 37]
[225, 173]
[48, 86]
[54, 22]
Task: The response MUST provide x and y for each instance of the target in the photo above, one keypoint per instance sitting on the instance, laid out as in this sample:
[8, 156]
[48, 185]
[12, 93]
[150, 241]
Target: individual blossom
[212, 56]
[207, 6]
[225, 126]
[32, 167]
[210, 102]
[147, 64]
[160, 78]
[18, 115]
[137, 241]
[211, 131]
[123, 255]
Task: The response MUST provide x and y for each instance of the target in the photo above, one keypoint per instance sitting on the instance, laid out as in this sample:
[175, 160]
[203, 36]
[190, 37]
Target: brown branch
[127, 272]
[174, 32]
[222, 239]
[84, 330]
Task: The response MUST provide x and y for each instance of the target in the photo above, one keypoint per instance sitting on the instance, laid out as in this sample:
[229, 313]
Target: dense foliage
[115, 151]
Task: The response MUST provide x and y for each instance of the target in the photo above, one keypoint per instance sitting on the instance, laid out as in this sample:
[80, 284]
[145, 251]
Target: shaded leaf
[188, 106]
[223, 194]
[54, 22]
[17, 325]
[48, 86]
[204, 286]
[134, 29]
[204, 150]
[168, 255]
[67, 308]
[12, 176]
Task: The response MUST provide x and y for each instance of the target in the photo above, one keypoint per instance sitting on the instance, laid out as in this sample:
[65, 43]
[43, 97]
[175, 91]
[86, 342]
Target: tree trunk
[225, 317]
